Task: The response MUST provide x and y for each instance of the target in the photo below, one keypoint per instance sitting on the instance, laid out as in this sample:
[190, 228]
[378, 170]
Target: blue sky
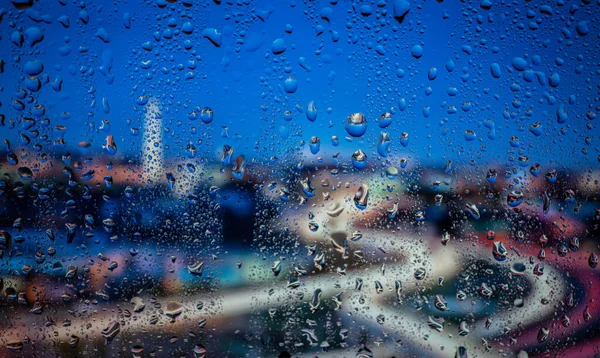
[368, 69]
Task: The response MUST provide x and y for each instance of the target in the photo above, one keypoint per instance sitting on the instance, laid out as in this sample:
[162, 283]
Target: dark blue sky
[346, 57]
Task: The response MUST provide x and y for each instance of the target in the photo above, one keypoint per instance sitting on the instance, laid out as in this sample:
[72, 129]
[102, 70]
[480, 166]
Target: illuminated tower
[152, 146]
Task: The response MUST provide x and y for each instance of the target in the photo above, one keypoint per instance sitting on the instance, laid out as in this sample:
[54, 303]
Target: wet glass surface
[238, 178]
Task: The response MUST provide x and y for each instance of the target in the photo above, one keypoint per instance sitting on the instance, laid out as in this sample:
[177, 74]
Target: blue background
[242, 80]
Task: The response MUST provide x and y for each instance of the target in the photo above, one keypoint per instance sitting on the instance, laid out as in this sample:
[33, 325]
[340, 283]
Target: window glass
[289, 178]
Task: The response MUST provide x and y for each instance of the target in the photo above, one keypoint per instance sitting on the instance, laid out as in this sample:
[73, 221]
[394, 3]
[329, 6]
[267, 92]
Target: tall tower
[153, 170]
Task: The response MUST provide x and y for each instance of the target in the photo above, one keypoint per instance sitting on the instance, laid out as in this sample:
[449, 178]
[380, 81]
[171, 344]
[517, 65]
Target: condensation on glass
[238, 178]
